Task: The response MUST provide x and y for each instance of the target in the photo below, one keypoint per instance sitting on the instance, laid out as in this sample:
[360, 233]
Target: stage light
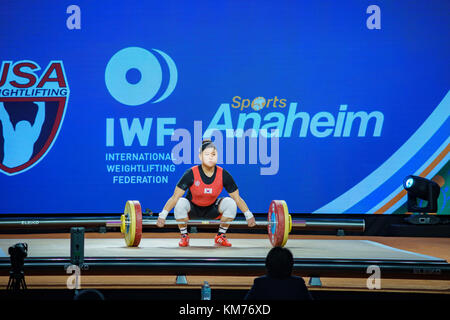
[424, 189]
[409, 182]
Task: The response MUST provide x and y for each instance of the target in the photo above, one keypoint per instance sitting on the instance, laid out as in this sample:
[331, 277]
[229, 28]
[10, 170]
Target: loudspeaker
[77, 246]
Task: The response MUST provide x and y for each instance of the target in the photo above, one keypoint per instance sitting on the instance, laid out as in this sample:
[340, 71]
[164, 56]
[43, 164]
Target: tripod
[16, 281]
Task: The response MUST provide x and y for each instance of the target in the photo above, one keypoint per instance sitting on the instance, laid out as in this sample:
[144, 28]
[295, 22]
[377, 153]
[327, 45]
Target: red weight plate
[280, 229]
[276, 218]
[271, 219]
[138, 234]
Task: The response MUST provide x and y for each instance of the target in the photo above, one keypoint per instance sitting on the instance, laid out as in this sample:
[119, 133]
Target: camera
[18, 253]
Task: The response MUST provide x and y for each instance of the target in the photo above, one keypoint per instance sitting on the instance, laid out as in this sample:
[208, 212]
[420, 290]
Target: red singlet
[206, 194]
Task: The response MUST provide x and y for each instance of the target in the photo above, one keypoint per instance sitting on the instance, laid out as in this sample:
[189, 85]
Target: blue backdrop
[359, 91]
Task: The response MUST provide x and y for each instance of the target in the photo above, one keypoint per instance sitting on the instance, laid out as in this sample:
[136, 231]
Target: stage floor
[306, 249]
[204, 248]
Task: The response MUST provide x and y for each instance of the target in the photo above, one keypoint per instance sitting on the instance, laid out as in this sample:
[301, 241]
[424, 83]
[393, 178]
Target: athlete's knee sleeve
[182, 208]
[228, 208]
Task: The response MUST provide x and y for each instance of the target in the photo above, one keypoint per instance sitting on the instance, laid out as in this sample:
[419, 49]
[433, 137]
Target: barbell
[279, 223]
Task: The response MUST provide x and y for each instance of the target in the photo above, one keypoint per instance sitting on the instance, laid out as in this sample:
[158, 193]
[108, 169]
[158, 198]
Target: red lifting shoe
[184, 242]
[221, 241]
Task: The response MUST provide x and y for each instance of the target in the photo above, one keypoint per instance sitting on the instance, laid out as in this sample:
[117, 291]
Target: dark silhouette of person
[279, 283]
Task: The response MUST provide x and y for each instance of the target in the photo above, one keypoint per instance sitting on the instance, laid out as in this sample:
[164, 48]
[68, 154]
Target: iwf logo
[32, 110]
[135, 76]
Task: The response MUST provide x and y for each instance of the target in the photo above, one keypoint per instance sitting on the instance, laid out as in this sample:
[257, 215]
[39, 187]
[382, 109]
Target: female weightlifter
[204, 183]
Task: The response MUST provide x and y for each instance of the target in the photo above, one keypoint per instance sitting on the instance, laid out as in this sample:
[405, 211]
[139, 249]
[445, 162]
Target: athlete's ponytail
[207, 143]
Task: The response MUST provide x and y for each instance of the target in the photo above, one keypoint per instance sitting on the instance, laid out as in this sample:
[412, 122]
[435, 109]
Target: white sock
[222, 230]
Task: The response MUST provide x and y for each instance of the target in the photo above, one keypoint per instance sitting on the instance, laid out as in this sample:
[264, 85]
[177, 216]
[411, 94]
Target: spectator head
[89, 294]
[279, 262]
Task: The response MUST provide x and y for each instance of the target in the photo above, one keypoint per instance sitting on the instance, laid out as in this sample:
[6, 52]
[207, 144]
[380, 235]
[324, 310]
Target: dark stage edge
[233, 267]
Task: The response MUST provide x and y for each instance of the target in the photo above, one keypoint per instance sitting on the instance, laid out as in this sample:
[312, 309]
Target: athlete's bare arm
[242, 206]
[170, 204]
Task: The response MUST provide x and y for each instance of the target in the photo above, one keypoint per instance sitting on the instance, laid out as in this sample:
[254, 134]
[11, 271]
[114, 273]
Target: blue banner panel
[327, 105]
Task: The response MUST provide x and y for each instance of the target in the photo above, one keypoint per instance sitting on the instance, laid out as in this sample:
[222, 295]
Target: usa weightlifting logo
[32, 109]
[135, 76]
